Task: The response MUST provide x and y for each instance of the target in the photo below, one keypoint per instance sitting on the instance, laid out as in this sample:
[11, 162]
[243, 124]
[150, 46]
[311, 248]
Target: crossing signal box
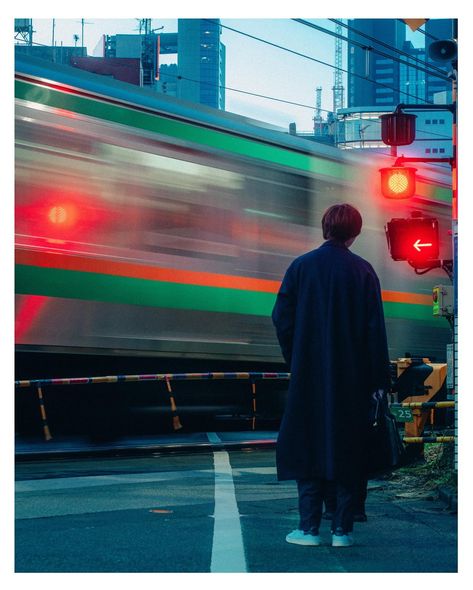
[415, 240]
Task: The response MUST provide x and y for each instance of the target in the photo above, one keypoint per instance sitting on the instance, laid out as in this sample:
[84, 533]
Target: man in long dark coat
[330, 325]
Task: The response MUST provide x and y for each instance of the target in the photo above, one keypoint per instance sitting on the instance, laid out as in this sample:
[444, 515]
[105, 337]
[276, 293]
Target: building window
[441, 150]
[427, 121]
[434, 121]
[435, 151]
[441, 121]
[427, 151]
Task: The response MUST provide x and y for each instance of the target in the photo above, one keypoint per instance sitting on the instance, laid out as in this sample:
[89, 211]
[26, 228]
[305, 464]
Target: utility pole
[52, 41]
[82, 23]
[318, 111]
[145, 26]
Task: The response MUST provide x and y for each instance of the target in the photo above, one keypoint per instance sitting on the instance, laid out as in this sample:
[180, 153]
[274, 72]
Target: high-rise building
[201, 61]
[440, 29]
[199, 75]
[366, 66]
[412, 77]
[403, 79]
[391, 82]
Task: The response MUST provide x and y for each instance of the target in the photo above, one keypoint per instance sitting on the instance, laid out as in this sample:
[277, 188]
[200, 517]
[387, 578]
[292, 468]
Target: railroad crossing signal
[398, 182]
[415, 240]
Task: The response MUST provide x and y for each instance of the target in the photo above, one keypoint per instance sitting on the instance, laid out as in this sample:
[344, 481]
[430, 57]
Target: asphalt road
[212, 511]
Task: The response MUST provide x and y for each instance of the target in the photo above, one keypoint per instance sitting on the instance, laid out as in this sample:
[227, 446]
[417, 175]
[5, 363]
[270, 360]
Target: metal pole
[52, 41]
[455, 239]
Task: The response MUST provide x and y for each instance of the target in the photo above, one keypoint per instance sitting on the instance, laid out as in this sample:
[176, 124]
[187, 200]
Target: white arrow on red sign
[417, 245]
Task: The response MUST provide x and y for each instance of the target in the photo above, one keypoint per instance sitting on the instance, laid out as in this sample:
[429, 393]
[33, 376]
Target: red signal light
[398, 182]
[57, 214]
[62, 215]
[415, 240]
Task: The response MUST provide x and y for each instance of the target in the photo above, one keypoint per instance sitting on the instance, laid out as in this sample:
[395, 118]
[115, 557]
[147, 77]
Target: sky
[251, 65]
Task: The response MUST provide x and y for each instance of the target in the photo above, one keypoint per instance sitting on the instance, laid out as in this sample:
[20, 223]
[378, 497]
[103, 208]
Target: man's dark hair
[341, 222]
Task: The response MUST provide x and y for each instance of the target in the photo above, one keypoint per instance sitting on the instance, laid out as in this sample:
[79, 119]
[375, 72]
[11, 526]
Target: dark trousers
[311, 498]
[330, 496]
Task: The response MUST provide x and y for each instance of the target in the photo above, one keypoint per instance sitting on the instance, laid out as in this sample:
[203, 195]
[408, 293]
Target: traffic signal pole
[455, 238]
[398, 128]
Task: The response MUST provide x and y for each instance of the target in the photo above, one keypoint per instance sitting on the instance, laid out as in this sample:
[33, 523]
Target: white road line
[228, 553]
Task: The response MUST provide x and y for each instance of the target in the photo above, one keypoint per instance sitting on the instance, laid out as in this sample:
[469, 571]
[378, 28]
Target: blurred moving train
[151, 227]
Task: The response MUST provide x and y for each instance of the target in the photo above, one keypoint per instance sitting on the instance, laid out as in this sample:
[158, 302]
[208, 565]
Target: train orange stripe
[140, 271]
[207, 279]
[403, 297]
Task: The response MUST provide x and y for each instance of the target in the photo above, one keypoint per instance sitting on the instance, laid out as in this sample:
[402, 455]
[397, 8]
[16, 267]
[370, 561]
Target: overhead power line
[238, 90]
[317, 60]
[423, 32]
[373, 49]
[383, 44]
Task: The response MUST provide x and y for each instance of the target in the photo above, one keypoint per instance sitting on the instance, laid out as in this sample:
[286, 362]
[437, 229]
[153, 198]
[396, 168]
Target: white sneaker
[342, 540]
[299, 537]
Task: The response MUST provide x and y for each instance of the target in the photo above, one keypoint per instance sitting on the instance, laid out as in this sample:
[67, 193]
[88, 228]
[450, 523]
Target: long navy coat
[330, 325]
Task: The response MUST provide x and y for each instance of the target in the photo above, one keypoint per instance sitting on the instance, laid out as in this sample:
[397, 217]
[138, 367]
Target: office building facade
[366, 66]
[201, 62]
[378, 81]
[199, 74]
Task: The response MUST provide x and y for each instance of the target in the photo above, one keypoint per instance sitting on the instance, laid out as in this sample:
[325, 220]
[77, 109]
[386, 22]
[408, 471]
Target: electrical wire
[383, 44]
[422, 31]
[317, 61]
[272, 97]
[443, 77]
[238, 90]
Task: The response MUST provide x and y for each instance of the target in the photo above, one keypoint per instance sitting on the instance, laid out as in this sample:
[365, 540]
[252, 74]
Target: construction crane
[338, 90]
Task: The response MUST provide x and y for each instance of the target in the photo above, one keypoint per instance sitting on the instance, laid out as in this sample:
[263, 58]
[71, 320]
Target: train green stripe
[111, 288]
[201, 135]
[54, 282]
[181, 130]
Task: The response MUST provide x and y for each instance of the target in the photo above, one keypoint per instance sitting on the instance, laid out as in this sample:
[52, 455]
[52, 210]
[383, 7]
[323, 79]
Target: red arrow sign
[417, 245]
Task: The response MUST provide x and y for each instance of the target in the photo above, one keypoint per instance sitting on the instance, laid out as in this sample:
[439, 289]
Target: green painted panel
[411, 311]
[182, 130]
[53, 282]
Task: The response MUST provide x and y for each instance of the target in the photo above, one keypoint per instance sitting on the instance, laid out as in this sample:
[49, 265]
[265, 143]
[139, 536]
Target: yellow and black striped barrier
[166, 377]
[428, 439]
[424, 405]
[44, 420]
[176, 423]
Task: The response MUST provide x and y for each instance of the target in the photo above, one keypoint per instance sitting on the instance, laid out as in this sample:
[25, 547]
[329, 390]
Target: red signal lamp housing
[398, 128]
[415, 240]
[398, 182]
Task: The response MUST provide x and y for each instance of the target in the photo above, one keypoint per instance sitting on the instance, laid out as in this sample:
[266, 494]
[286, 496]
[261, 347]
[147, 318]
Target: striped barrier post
[42, 408]
[176, 423]
[253, 394]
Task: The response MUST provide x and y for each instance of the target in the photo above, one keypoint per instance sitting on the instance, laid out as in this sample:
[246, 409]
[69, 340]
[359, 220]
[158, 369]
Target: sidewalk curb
[449, 496]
